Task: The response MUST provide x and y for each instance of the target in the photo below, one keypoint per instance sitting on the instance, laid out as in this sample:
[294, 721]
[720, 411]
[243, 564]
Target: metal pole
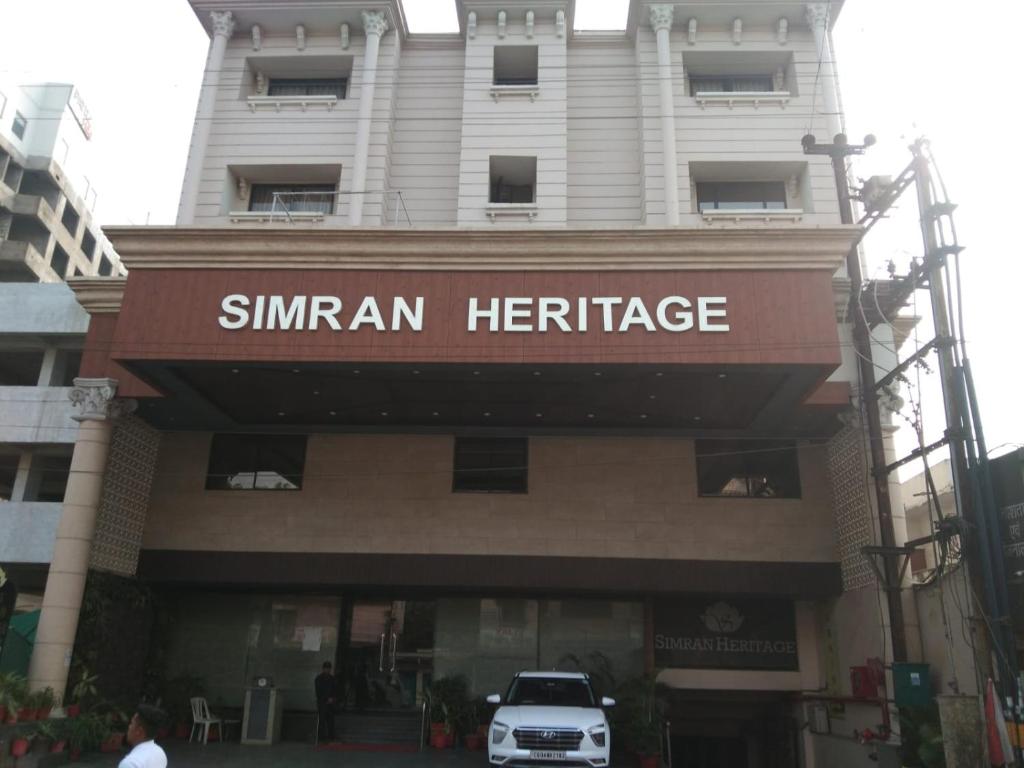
[838, 152]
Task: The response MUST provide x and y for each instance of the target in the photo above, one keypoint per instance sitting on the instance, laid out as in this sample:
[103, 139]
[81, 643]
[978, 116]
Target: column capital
[94, 399]
[816, 15]
[223, 23]
[375, 23]
[661, 16]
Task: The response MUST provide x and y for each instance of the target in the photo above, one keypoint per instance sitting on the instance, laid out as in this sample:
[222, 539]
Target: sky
[907, 68]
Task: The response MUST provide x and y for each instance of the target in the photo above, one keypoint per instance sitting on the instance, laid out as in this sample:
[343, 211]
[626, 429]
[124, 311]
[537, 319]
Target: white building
[636, 433]
[47, 234]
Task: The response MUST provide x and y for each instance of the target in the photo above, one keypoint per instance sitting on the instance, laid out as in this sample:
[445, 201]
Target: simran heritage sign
[714, 633]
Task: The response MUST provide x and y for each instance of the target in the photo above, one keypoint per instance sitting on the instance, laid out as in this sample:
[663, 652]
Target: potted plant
[86, 733]
[473, 734]
[52, 735]
[81, 692]
[20, 745]
[44, 701]
[447, 695]
[13, 690]
[29, 706]
[639, 718]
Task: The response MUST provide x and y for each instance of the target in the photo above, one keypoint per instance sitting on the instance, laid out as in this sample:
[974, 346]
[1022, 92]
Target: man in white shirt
[141, 730]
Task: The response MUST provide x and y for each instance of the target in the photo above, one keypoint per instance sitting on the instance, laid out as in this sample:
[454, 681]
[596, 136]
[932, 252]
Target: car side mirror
[494, 698]
[607, 702]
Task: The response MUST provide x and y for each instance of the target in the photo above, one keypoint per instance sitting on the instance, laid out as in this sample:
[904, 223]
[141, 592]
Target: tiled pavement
[296, 755]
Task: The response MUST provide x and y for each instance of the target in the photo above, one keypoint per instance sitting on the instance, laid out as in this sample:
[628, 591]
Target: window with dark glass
[513, 178]
[8, 471]
[256, 462]
[515, 65]
[762, 469]
[295, 198]
[732, 84]
[20, 367]
[48, 477]
[495, 465]
[309, 86]
[19, 125]
[740, 195]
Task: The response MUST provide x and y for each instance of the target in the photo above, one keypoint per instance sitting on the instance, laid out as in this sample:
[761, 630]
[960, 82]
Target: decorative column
[661, 22]
[223, 27]
[65, 583]
[817, 15]
[375, 24]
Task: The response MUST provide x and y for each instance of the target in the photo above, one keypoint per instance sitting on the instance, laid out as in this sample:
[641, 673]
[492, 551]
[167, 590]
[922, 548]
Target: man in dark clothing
[326, 696]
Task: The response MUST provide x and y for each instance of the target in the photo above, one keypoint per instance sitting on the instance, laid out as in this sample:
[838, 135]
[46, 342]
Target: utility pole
[838, 151]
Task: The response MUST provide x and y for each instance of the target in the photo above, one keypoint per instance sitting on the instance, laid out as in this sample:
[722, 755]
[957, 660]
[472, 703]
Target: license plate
[535, 755]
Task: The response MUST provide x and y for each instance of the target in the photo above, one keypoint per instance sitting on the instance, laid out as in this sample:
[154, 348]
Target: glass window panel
[8, 471]
[307, 87]
[296, 198]
[47, 478]
[741, 195]
[759, 84]
[602, 637]
[260, 462]
[20, 368]
[228, 639]
[750, 468]
[490, 465]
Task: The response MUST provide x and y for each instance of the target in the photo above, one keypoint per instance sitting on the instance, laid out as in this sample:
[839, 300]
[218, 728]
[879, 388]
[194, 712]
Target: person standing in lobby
[326, 695]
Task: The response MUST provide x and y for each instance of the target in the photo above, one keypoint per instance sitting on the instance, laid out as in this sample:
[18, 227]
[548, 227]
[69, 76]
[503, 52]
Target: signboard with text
[725, 633]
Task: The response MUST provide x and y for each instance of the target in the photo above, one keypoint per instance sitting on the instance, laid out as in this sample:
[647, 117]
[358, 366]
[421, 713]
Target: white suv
[549, 718]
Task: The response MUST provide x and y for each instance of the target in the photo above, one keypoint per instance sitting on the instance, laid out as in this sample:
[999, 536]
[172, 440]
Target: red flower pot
[75, 754]
[436, 728]
[439, 740]
[648, 761]
[19, 747]
[112, 743]
[73, 710]
[43, 714]
[58, 746]
[26, 715]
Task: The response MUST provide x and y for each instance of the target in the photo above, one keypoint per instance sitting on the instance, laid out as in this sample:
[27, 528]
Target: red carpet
[337, 746]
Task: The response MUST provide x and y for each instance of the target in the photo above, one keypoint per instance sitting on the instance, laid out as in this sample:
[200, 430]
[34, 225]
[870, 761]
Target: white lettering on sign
[511, 314]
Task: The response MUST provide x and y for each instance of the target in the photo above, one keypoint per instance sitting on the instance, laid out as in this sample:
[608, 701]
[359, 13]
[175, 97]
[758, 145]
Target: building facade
[521, 347]
[48, 233]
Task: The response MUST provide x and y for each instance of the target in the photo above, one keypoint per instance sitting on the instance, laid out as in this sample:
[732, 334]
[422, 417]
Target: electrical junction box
[912, 684]
[863, 683]
[817, 718]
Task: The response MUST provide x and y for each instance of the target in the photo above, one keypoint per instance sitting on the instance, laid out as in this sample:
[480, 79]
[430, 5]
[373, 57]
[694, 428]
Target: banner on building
[725, 633]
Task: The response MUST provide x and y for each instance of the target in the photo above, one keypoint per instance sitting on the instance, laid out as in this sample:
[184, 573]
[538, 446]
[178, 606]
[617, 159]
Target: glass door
[389, 659]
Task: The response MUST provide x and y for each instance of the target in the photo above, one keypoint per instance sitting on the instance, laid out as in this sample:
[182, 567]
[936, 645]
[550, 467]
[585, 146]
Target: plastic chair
[202, 720]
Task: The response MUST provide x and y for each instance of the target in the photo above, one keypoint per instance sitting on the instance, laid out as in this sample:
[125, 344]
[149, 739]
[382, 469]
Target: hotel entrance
[387, 663]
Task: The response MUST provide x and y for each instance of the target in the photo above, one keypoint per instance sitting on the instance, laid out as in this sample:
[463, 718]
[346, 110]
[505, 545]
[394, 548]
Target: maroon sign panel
[733, 317]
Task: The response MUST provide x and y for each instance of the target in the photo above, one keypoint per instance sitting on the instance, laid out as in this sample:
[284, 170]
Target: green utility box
[912, 684]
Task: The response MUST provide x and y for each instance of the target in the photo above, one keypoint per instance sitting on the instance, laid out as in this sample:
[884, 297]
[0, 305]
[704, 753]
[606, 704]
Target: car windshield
[550, 692]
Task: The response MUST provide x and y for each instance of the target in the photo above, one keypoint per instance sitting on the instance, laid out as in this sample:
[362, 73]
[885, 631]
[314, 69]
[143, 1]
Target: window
[19, 125]
[106, 266]
[66, 367]
[740, 195]
[59, 261]
[20, 367]
[70, 218]
[48, 477]
[732, 83]
[513, 179]
[490, 465]
[760, 469]
[8, 471]
[88, 244]
[296, 198]
[280, 86]
[256, 462]
[515, 65]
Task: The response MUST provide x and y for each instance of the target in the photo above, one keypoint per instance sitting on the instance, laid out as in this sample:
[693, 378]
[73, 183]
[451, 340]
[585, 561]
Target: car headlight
[597, 734]
[498, 732]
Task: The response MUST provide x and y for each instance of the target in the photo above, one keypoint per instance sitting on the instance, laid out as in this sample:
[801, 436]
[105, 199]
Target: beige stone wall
[596, 496]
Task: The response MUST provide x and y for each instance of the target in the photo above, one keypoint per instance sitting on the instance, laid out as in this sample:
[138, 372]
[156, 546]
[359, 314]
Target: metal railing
[325, 203]
[423, 724]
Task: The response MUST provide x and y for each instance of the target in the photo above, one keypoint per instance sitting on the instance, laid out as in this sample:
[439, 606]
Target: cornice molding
[480, 249]
[98, 295]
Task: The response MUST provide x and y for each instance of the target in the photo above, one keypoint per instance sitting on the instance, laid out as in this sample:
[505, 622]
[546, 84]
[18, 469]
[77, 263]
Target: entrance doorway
[389, 658]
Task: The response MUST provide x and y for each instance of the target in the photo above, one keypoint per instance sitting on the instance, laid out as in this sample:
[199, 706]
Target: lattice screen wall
[125, 498]
[849, 479]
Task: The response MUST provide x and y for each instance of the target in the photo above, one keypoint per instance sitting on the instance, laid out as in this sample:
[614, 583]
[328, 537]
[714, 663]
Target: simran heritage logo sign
[725, 634]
